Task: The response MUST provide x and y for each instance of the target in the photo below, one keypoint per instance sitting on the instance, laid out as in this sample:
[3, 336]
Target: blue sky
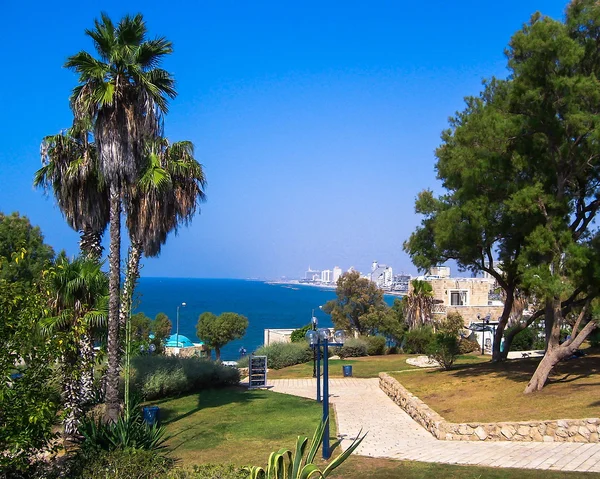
[316, 122]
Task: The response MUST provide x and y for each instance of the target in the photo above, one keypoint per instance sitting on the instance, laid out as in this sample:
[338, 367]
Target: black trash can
[150, 414]
[347, 371]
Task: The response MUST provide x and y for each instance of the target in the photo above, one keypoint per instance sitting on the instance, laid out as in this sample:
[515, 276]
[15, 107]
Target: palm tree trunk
[86, 348]
[132, 274]
[90, 243]
[71, 399]
[114, 287]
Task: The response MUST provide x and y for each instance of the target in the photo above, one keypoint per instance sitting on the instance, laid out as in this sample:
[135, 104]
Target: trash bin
[150, 414]
[347, 371]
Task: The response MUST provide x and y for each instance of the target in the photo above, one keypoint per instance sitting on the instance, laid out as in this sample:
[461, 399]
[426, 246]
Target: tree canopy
[217, 331]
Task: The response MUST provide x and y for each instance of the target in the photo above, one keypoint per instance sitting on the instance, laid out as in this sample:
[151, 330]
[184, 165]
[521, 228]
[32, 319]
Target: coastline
[295, 282]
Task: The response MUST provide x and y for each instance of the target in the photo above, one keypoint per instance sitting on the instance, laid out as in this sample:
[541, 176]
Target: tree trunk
[556, 352]
[114, 286]
[86, 348]
[132, 274]
[71, 398]
[218, 353]
[498, 355]
[90, 243]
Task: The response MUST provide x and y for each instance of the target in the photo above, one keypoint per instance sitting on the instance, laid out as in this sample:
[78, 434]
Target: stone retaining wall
[562, 430]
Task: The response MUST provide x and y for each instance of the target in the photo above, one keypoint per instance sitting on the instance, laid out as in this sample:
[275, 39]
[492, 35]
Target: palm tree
[167, 195]
[78, 306]
[123, 94]
[419, 304]
[70, 169]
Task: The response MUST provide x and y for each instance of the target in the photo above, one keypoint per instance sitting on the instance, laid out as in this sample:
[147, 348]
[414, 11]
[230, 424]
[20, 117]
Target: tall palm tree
[419, 304]
[167, 195]
[123, 93]
[78, 306]
[70, 169]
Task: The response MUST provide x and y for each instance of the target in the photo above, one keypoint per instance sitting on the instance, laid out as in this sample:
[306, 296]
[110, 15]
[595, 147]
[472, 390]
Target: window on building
[458, 298]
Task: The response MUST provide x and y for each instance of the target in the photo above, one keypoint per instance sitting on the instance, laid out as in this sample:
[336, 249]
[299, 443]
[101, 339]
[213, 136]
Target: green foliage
[444, 349]
[452, 324]
[353, 348]
[124, 464]
[594, 338]
[217, 331]
[393, 350]
[466, 346]
[140, 327]
[394, 325]
[298, 335]
[418, 304]
[282, 355]
[23, 253]
[284, 464]
[359, 305]
[418, 340]
[375, 345]
[524, 340]
[162, 376]
[209, 471]
[29, 403]
[161, 326]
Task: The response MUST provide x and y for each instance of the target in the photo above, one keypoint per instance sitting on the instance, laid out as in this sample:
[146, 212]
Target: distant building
[439, 271]
[326, 276]
[337, 272]
[312, 274]
[381, 275]
[401, 283]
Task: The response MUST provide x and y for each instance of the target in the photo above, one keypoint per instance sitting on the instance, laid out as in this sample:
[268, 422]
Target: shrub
[418, 340]
[162, 376]
[375, 345]
[298, 335]
[282, 355]
[444, 349]
[466, 346]
[393, 350]
[353, 348]
[453, 323]
[524, 340]
[124, 464]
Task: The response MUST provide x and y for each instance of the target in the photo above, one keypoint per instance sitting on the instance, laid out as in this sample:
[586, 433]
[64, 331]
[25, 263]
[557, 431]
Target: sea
[266, 305]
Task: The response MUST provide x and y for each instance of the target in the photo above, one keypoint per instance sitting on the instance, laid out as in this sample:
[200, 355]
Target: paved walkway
[359, 403]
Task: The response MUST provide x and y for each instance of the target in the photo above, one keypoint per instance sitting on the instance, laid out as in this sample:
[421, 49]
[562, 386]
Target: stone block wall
[562, 430]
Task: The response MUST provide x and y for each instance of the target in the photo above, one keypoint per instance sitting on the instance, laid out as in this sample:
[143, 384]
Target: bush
[466, 346]
[353, 348]
[299, 335]
[162, 376]
[124, 464]
[524, 340]
[375, 345]
[282, 355]
[453, 323]
[444, 349]
[393, 350]
[418, 340]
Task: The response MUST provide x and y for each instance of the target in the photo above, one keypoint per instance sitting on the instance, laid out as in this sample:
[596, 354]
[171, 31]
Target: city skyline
[316, 131]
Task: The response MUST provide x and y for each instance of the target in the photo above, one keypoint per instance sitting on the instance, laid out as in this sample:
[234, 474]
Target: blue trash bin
[150, 414]
[347, 371]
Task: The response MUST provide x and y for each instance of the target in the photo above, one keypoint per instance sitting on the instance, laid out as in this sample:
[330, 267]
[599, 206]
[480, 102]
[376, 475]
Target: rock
[508, 432]
[480, 433]
[535, 435]
[560, 432]
[562, 423]
[465, 430]
[523, 430]
[572, 431]
[594, 437]
[423, 362]
[584, 431]
[548, 439]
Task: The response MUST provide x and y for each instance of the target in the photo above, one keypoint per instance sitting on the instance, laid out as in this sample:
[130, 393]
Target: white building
[381, 275]
[337, 272]
[312, 274]
[326, 276]
[439, 271]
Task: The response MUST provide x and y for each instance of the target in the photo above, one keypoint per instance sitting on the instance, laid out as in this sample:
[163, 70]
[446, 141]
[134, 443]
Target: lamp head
[339, 336]
[183, 304]
[314, 320]
[324, 334]
[312, 337]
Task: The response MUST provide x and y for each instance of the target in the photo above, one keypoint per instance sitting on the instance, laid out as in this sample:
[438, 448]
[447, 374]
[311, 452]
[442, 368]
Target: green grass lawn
[367, 367]
[489, 392]
[243, 427]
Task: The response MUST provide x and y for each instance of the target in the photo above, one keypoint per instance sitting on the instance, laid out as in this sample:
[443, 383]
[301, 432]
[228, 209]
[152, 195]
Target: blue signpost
[319, 341]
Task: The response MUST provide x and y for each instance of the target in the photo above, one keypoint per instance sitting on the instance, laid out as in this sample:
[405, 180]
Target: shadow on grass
[521, 370]
[211, 398]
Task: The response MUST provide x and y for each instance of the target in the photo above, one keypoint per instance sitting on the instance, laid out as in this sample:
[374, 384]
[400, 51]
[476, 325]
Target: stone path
[359, 403]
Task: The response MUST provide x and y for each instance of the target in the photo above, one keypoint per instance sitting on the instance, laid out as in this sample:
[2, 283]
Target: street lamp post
[178, 306]
[317, 339]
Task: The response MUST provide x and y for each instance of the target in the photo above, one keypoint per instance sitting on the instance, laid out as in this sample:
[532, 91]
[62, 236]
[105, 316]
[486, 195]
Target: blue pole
[318, 351]
[326, 452]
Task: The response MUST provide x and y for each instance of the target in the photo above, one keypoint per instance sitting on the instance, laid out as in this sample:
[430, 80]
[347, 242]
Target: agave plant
[284, 464]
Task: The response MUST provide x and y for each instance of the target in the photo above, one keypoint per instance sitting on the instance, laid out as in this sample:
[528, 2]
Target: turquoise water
[265, 305]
